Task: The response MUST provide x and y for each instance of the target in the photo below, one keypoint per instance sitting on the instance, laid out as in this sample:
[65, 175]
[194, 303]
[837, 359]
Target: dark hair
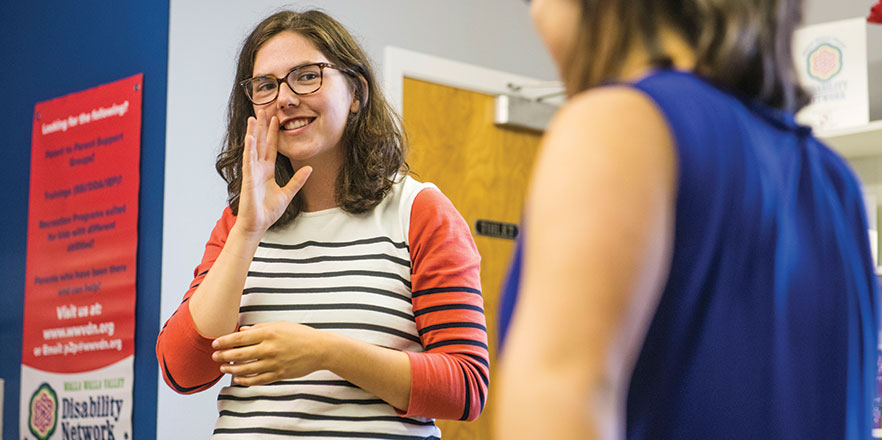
[741, 45]
[374, 146]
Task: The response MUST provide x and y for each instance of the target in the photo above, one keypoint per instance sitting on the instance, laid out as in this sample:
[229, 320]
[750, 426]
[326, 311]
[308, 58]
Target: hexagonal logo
[824, 62]
[43, 412]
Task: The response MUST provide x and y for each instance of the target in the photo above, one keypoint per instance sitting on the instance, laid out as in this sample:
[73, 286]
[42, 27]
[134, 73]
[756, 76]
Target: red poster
[79, 317]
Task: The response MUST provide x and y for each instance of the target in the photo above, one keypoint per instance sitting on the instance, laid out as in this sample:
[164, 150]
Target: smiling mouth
[297, 123]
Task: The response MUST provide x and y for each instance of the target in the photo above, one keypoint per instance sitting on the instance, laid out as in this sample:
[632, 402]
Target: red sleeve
[450, 379]
[184, 355]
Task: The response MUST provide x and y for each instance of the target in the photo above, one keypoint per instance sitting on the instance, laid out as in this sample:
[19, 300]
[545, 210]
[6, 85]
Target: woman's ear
[359, 95]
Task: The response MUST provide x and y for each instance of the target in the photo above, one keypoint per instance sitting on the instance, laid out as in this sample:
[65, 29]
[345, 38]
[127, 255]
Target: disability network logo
[43, 412]
[824, 62]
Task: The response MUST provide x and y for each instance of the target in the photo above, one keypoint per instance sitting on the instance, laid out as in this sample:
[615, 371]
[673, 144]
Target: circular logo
[824, 62]
[43, 412]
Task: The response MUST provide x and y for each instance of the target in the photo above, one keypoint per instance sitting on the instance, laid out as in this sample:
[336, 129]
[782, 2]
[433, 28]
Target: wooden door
[484, 171]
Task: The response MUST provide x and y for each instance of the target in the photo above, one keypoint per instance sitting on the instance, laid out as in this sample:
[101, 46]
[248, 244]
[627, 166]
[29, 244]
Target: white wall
[203, 42]
[819, 11]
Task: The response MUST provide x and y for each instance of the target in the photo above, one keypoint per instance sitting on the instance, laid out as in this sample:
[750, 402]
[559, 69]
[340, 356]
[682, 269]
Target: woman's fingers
[258, 379]
[272, 135]
[249, 126]
[237, 339]
[255, 149]
[248, 158]
[260, 135]
[248, 150]
[240, 354]
[246, 368]
[297, 181]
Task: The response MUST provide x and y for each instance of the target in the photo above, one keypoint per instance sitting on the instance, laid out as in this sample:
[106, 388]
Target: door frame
[400, 63]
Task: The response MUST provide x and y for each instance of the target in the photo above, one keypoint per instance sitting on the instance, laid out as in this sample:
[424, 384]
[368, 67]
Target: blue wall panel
[49, 49]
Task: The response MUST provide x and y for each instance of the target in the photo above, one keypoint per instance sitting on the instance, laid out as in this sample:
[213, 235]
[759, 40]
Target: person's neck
[638, 63]
[319, 192]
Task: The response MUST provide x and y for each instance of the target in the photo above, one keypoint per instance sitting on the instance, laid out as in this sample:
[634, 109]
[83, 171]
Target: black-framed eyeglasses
[302, 80]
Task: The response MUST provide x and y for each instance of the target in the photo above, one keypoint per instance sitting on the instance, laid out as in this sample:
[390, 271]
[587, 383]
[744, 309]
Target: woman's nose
[287, 96]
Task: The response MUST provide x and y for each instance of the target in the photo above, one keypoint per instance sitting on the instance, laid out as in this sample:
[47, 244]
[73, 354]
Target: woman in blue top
[695, 263]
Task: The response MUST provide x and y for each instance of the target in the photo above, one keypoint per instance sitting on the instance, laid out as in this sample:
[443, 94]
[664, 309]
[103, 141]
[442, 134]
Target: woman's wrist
[328, 351]
[248, 240]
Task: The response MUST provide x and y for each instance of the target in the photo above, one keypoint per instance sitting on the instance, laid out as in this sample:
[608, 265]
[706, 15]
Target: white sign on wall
[831, 60]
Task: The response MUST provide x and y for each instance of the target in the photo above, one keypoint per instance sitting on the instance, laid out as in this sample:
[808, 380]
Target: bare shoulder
[608, 138]
[609, 119]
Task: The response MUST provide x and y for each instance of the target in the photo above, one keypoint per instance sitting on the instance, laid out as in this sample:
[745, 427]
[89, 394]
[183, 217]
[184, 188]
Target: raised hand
[262, 201]
[214, 305]
[270, 352]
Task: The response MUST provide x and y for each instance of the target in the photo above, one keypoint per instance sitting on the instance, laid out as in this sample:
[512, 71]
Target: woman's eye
[266, 86]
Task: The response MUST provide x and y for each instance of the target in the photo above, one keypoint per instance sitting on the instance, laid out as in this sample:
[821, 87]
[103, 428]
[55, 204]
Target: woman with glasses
[695, 263]
[340, 295]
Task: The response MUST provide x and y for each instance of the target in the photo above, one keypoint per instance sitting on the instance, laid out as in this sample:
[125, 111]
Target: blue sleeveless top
[767, 325]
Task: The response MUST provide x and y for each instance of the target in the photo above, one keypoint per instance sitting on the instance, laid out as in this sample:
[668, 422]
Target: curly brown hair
[741, 45]
[374, 146]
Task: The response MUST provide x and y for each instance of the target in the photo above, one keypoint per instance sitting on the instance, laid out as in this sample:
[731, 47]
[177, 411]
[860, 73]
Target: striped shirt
[403, 276]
